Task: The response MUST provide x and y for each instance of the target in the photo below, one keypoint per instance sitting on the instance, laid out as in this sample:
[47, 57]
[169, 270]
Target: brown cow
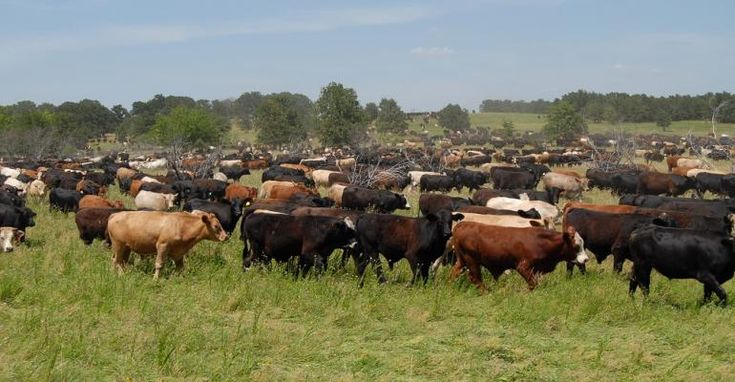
[530, 251]
[236, 191]
[256, 164]
[671, 161]
[681, 171]
[161, 233]
[654, 183]
[88, 187]
[135, 187]
[267, 187]
[94, 201]
[304, 168]
[283, 192]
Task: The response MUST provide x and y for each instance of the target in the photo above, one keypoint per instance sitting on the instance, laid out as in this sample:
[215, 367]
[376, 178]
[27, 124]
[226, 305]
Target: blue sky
[424, 54]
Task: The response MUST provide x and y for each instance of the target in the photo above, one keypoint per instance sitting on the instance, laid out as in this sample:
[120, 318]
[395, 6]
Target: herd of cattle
[511, 225]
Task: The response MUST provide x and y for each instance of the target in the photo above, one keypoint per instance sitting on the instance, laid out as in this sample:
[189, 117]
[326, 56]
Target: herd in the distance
[308, 207]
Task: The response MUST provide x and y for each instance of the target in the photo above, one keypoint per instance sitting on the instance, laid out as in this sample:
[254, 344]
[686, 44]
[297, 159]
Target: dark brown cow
[530, 251]
[256, 164]
[92, 223]
[654, 183]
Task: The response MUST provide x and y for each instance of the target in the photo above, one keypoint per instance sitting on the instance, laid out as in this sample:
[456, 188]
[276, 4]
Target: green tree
[454, 118]
[371, 111]
[390, 117]
[189, 124]
[508, 128]
[340, 119]
[663, 119]
[278, 121]
[563, 122]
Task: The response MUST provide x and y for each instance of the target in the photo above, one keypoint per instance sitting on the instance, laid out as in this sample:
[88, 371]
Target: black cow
[719, 208]
[102, 178]
[211, 189]
[419, 240]
[273, 172]
[443, 183]
[468, 178]
[227, 214]
[682, 254]
[358, 198]
[709, 182]
[482, 210]
[608, 233]
[624, 183]
[17, 217]
[92, 223]
[234, 172]
[160, 188]
[310, 238]
[11, 199]
[64, 200]
[506, 178]
[433, 203]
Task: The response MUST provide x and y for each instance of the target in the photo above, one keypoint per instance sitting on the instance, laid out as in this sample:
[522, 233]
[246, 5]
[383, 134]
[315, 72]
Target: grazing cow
[624, 183]
[417, 175]
[274, 189]
[160, 188]
[11, 199]
[433, 203]
[421, 241]
[21, 187]
[154, 201]
[256, 164]
[37, 188]
[482, 195]
[600, 179]
[506, 178]
[273, 172]
[234, 172]
[530, 251]
[608, 233]
[211, 189]
[17, 217]
[165, 234]
[64, 200]
[654, 183]
[92, 223]
[94, 201]
[682, 254]
[528, 214]
[88, 187]
[311, 238]
[227, 214]
[244, 194]
[392, 181]
[709, 182]
[571, 186]
[548, 212]
[504, 220]
[473, 180]
[321, 177]
[438, 183]
[358, 198]
[10, 236]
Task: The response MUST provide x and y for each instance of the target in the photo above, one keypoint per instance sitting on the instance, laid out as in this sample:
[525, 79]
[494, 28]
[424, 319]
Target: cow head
[444, 219]
[214, 228]
[10, 236]
[170, 200]
[575, 245]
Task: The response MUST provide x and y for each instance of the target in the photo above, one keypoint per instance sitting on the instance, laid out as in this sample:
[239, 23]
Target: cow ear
[457, 217]
[205, 219]
[18, 234]
[534, 223]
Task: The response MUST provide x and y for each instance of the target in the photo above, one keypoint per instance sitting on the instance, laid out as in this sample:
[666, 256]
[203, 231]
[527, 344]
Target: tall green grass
[66, 315]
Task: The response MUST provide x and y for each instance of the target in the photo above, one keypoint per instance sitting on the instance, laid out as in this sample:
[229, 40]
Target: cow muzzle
[581, 257]
[7, 249]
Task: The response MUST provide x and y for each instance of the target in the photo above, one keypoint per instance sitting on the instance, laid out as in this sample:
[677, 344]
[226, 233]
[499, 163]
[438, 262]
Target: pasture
[66, 315]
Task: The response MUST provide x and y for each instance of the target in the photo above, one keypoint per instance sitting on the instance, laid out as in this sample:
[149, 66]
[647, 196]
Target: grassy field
[535, 122]
[66, 315]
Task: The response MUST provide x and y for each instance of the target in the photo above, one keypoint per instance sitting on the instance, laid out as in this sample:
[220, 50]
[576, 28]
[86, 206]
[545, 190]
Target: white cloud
[434, 51]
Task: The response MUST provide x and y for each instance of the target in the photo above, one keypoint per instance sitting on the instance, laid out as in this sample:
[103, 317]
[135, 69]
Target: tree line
[623, 107]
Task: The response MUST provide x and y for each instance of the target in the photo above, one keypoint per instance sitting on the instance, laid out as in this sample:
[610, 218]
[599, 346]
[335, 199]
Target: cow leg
[475, 273]
[529, 275]
[179, 262]
[456, 269]
[121, 255]
[424, 271]
[710, 285]
[161, 254]
[641, 275]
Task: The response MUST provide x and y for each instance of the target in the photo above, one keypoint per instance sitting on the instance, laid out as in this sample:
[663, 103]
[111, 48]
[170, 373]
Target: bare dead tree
[696, 151]
[715, 113]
